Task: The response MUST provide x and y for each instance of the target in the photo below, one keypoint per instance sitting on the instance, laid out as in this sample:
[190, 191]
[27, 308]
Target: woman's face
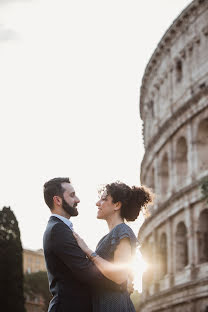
[105, 207]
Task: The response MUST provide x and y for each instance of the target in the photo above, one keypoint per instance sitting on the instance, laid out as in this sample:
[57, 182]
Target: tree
[204, 188]
[11, 268]
[37, 284]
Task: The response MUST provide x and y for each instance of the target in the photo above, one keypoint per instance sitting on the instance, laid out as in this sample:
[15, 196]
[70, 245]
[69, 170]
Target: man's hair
[54, 188]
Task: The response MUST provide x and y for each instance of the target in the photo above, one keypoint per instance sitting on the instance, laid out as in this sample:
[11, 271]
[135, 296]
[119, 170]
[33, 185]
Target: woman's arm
[119, 269]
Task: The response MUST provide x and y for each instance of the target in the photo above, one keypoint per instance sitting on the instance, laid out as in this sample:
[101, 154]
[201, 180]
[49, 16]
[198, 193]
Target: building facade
[34, 304]
[33, 261]
[174, 110]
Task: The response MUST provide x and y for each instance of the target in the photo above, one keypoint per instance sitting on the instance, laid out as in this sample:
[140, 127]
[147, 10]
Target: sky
[70, 77]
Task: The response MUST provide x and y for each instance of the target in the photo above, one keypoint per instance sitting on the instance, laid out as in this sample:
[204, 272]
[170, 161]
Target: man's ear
[57, 200]
[117, 205]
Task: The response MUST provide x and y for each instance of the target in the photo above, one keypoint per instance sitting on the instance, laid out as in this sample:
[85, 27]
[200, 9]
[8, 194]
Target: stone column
[157, 107]
[190, 238]
[171, 169]
[192, 152]
[170, 259]
[173, 173]
[157, 181]
[155, 262]
[144, 284]
[171, 88]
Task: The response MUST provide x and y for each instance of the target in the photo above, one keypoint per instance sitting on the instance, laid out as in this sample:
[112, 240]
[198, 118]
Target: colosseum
[174, 110]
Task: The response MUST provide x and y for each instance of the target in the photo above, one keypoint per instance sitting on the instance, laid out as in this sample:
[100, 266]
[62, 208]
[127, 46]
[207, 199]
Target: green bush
[37, 284]
[204, 188]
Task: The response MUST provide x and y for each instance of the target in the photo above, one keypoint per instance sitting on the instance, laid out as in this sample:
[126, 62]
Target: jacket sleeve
[66, 248]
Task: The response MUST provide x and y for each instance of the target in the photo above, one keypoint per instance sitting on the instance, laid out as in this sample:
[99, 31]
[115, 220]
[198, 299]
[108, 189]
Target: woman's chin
[99, 217]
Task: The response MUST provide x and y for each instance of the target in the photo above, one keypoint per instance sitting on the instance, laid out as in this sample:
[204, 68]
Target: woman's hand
[82, 244]
[130, 285]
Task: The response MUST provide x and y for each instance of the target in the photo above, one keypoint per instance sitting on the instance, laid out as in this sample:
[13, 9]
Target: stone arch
[202, 142]
[181, 247]
[150, 181]
[164, 174]
[181, 159]
[203, 236]
[163, 255]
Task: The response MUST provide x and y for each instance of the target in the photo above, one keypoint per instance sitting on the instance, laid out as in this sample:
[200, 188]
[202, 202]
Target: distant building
[174, 109]
[34, 304]
[33, 261]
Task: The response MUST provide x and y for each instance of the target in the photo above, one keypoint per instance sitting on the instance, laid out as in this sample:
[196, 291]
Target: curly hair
[133, 199]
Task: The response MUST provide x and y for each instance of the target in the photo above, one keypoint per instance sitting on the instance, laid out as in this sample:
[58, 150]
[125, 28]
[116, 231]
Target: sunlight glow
[139, 266]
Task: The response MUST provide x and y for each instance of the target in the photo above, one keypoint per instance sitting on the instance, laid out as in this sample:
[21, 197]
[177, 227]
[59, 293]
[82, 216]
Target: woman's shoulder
[123, 231]
[122, 227]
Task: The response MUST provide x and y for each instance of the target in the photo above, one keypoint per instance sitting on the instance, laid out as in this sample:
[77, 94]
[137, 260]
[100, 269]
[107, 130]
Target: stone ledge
[166, 42]
[186, 107]
[166, 294]
[169, 201]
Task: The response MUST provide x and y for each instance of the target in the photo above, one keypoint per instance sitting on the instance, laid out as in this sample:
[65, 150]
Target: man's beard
[71, 210]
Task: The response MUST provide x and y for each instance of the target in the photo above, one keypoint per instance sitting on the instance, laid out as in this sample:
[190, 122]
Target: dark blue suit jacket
[71, 274]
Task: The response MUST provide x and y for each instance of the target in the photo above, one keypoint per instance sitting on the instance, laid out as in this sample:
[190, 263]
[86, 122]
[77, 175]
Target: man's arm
[118, 270]
[66, 248]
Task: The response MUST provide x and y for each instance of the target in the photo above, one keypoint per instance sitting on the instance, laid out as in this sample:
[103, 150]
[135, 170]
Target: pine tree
[11, 268]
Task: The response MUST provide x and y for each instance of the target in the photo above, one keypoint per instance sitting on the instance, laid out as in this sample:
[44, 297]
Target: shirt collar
[65, 220]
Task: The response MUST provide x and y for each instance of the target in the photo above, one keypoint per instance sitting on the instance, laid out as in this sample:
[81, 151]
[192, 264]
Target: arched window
[179, 70]
[202, 142]
[203, 236]
[181, 247]
[164, 174]
[181, 160]
[163, 255]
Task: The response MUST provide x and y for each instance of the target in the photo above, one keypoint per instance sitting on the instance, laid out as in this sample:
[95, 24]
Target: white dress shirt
[65, 220]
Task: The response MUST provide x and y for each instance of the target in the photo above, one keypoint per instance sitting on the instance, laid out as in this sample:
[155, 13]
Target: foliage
[204, 188]
[11, 268]
[37, 284]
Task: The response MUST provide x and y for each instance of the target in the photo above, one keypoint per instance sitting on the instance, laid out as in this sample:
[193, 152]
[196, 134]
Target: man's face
[69, 200]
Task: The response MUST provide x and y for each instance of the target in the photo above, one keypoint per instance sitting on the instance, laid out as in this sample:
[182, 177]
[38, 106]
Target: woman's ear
[117, 205]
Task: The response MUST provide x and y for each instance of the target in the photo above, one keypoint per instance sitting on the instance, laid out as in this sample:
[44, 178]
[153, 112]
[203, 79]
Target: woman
[114, 251]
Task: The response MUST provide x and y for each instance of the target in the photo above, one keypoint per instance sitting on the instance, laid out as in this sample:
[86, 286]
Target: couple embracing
[81, 279]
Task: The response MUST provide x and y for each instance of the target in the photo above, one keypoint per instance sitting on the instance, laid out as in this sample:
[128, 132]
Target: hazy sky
[70, 74]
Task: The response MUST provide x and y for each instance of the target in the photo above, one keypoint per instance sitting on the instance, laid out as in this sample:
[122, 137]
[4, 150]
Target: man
[71, 274]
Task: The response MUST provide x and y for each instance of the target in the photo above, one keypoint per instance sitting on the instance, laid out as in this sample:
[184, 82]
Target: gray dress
[113, 301]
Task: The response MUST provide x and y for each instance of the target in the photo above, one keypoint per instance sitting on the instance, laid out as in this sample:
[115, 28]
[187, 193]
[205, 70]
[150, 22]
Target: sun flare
[139, 266]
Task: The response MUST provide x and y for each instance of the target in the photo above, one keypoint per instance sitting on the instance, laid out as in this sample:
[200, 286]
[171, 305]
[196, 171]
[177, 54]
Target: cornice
[174, 290]
[166, 42]
[166, 125]
[168, 202]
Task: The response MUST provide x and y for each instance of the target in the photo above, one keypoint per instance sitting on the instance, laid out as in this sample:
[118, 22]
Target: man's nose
[78, 200]
[98, 203]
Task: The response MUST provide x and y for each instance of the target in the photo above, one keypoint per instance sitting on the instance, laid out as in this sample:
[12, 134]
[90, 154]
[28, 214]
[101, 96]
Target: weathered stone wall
[174, 109]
